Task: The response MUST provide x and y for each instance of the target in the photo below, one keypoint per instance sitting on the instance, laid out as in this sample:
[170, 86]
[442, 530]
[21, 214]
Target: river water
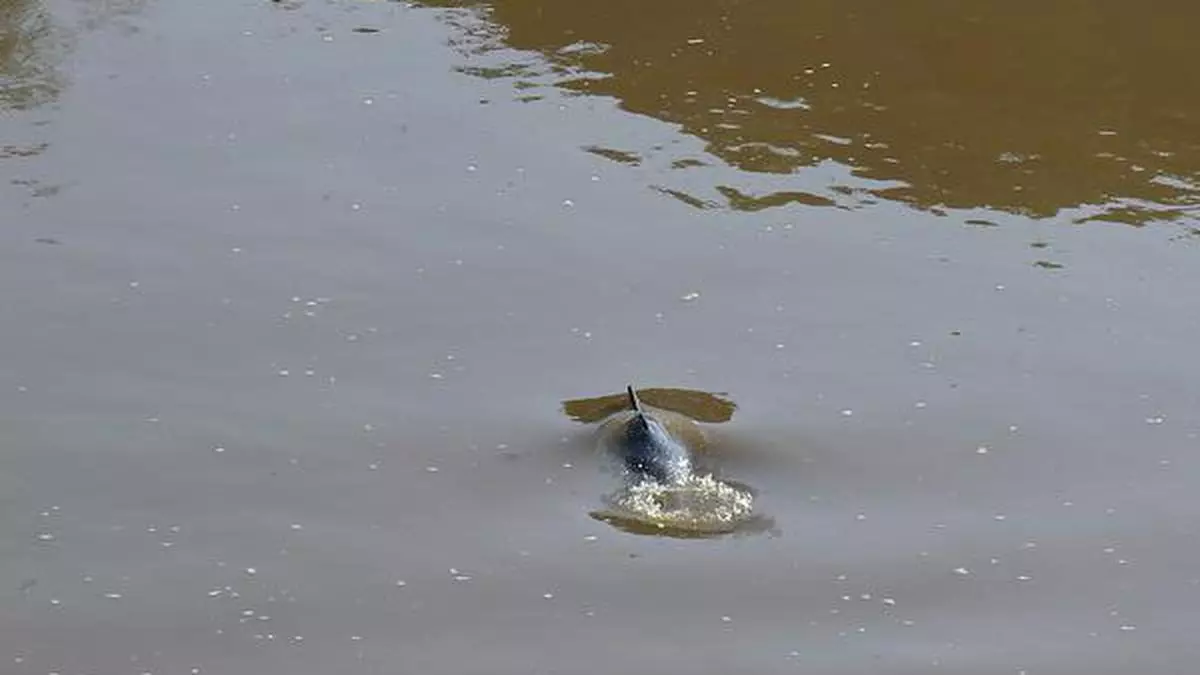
[291, 294]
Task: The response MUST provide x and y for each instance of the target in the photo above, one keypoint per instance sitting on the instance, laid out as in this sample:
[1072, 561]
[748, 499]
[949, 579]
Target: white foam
[696, 504]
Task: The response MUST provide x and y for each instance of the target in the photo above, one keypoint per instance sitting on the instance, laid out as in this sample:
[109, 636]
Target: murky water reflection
[1025, 108]
[29, 47]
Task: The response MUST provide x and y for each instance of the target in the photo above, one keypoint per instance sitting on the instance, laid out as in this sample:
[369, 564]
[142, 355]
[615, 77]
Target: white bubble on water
[699, 504]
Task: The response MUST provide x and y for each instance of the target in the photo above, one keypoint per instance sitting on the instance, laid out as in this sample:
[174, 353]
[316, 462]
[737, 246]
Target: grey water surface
[291, 293]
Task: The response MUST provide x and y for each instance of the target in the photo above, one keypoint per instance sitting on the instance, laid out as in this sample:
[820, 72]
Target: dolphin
[651, 443]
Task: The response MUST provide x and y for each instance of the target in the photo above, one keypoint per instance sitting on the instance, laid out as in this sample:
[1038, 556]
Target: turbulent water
[699, 504]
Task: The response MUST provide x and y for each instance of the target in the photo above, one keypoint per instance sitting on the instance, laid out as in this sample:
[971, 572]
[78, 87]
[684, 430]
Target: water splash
[697, 506]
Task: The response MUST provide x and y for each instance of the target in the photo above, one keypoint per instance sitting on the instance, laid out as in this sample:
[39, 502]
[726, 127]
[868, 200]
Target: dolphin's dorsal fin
[638, 421]
[634, 403]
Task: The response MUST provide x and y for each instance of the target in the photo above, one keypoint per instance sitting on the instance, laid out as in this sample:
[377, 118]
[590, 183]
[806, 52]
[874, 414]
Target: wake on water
[699, 504]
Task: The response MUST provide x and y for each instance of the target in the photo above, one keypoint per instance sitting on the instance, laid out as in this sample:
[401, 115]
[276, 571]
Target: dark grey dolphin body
[653, 433]
[654, 437]
[647, 447]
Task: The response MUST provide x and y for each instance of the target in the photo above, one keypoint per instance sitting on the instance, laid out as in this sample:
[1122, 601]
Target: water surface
[290, 294]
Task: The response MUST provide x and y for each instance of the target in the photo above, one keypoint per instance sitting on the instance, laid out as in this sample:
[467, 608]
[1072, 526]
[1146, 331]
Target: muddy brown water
[291, 294]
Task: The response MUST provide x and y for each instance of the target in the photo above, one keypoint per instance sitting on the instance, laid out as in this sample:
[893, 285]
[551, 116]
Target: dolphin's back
[649, 451]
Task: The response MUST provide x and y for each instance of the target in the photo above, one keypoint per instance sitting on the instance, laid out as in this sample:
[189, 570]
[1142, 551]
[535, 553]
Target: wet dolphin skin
[648, 449]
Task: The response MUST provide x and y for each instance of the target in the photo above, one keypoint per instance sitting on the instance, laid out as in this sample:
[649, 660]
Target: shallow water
[289, 308]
